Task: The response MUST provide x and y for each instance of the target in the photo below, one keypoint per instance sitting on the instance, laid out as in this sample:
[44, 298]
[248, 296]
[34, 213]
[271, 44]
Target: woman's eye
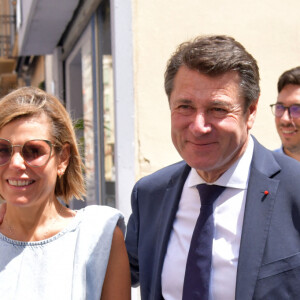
[4, 150]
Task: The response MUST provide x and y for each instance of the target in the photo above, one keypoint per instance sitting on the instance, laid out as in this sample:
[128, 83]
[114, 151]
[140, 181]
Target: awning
[43, 24]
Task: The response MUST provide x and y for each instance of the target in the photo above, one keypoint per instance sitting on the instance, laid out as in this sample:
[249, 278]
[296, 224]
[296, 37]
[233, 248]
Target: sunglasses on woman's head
[35, 153]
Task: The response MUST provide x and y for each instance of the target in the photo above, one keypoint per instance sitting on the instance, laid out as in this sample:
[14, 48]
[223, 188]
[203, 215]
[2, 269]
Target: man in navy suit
[212, 84]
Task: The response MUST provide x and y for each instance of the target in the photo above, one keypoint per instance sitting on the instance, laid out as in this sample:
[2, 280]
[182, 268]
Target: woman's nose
[17, 160]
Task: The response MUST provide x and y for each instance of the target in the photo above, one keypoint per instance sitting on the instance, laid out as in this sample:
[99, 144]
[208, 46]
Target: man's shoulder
[274, 163]
[164, 175]
[278, 150]
[288, 165]
[287, 162]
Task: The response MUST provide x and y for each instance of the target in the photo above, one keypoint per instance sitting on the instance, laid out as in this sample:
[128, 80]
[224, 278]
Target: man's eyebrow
[219, 102]
[183, 100]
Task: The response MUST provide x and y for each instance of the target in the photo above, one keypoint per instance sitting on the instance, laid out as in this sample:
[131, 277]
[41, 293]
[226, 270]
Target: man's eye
[219, 109]
[218, 112]
[184, 106]
[185, 109]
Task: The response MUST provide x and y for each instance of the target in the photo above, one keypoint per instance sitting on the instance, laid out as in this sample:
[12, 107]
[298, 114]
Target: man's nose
[286, 116]
[200, 124]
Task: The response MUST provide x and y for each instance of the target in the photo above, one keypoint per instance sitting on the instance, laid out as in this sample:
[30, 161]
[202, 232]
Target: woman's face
[21, 184]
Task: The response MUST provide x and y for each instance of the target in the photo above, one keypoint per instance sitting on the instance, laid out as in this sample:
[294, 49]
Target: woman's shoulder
[96, 211]
[100, 216]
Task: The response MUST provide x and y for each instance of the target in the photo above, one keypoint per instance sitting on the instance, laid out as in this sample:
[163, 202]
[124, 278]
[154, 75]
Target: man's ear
[252, 114]
[64, 159]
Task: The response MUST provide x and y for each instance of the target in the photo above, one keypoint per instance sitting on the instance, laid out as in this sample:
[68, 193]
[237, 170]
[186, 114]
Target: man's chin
[292, 148]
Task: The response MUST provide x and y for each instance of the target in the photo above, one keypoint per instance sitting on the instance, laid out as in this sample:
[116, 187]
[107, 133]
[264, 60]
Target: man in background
[245, 242]
[287, 112]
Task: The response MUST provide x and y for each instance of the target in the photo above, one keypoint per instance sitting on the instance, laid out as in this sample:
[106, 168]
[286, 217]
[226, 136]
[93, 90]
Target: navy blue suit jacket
[269, 258]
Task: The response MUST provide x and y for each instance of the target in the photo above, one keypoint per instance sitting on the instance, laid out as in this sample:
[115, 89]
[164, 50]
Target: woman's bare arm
[117, 284]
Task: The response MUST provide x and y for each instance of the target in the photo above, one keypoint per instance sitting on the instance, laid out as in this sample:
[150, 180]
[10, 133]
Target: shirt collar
[280, 150]
[236, 176]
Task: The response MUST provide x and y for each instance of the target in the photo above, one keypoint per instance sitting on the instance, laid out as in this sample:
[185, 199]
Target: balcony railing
[8, 76]
[7, 27]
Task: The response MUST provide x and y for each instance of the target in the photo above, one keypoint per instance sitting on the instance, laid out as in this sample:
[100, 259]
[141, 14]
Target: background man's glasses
[279, 109]
[35, 153]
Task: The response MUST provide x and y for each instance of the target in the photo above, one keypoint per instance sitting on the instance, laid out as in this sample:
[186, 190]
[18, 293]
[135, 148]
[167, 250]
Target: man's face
[210, 128]
[289, 128]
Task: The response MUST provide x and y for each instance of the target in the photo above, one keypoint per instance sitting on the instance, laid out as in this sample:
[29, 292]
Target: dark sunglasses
[279, 109]
[35, 153]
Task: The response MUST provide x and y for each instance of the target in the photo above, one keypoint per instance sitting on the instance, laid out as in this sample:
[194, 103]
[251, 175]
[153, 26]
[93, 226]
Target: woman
[48, 251]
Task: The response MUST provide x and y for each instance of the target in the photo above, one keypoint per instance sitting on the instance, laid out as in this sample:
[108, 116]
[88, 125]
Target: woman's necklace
[12, 232]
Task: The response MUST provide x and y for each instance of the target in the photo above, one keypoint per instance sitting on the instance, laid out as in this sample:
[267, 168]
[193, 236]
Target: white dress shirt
[228, 218]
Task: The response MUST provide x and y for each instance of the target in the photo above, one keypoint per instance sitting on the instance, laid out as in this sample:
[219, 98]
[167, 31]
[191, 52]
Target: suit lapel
[168, 214]
[258, 211]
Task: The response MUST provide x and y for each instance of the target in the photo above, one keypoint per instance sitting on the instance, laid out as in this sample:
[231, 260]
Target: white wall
[269, 29]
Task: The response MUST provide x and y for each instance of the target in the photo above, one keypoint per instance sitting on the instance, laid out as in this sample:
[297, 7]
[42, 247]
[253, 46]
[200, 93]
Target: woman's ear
[64, 159]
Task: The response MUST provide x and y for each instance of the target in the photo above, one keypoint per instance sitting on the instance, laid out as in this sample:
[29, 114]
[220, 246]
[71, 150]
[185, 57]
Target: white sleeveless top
[70, 265]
